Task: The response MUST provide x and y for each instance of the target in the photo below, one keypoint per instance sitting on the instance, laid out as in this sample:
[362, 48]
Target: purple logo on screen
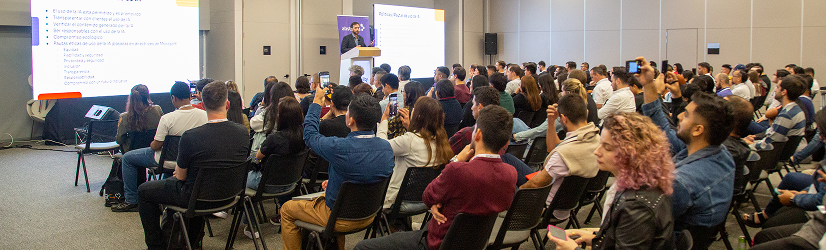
[344, 27]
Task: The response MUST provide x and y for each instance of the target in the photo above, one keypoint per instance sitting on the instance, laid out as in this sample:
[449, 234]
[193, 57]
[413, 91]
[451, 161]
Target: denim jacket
[703, 181]
[361, 157]
[811, 200]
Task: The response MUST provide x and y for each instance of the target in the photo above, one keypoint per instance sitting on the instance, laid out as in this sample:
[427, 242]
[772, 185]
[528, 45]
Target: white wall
[610, 32]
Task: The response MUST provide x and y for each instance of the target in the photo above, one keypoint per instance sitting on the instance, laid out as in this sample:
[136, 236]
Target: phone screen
[557, 232]
[325, 80]
[632, 66]
[394, 104]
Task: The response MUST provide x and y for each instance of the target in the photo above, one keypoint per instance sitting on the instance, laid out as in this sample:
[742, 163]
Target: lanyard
[184, 106]
[364, 136]
[494, 156]
[218, 120]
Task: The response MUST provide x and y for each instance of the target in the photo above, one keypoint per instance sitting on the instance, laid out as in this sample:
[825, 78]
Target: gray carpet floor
[42, 209]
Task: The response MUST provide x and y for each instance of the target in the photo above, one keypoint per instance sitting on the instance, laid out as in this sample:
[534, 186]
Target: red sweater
[462, 93]
[482, 186]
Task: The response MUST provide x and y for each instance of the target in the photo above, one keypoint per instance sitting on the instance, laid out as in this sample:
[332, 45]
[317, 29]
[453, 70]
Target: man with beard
[704, 169]
[354, 39]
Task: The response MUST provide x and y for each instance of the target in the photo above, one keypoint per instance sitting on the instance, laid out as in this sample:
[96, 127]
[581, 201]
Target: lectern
[361, 56]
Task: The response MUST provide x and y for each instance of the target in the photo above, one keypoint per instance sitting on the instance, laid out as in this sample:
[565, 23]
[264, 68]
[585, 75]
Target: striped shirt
[791, 121]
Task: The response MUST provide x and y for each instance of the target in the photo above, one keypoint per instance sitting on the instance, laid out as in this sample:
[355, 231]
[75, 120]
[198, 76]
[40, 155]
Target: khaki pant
[316, 212]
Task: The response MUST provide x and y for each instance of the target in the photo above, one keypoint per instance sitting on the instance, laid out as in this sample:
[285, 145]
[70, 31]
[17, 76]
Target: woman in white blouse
[424, 145]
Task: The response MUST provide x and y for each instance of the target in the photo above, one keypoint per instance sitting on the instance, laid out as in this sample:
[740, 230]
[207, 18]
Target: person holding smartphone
[637, 210]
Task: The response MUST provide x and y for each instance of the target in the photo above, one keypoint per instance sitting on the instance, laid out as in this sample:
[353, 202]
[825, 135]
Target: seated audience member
[704, 176]
[638, 205]
[621, 99]
[390, 85]
[805, 99]
[723, 86]
[175, 123]
[680, 100]
[411, 94]
[457, 189]
[603, 89]
[593, 114]
[199, 87]
[259, 97]
[141, 115]
[499, 82]
[527, 97]
[235, 112]
[354, 80]
[363, 88]
[452, 108]
[376, 86]
[461, 90]
[571, 156]
[264, 120]
[302, 88]
[570, 86]
[514, 74]
[404, 77]
[441, 73]
[424, 145]
[356, 70]
[467, 114]
[360, 158]
[790, 121]
[283, 141]
[218, 143]
[739, 86]
[334, 123]
[807, 235]
[739, 149]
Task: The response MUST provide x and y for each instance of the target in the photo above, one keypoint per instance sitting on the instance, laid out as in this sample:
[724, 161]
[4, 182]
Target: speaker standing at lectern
[353, 40]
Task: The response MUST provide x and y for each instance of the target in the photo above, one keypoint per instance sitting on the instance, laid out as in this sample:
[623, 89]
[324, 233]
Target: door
[681, 47]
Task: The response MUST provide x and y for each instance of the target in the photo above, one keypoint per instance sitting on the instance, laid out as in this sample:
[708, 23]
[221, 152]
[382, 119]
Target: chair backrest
[526, 117]
[569, 192]
[106, 129]
[282, 171]
[684, 242]
[539, 117]
[169, 152]
[216, 187]
[537, 152]
[768, 159]
[518, 150]
[597, 183]
[413, 186]
[451, 129]
[469, 231]
[140, 139]
[789, 148]
[524, 212]
[357, 202]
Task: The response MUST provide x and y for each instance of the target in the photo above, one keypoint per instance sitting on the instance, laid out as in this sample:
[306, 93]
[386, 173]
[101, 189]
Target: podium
[361, 56]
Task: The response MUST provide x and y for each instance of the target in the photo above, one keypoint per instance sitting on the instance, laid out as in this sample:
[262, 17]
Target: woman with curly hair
[637, 210]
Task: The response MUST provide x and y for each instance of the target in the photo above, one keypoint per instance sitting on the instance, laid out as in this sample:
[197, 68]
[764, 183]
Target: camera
[633, 66]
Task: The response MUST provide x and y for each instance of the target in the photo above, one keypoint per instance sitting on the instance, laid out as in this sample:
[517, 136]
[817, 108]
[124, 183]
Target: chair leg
[754, 202]
[535, 239]
[254, 224]
[180, 218]
[250, 209]
[742, 224]
[77, 172]
[724, 236]
[85, 176]
[233, 229]
[771, 187]
[209, 227]
[263, 214]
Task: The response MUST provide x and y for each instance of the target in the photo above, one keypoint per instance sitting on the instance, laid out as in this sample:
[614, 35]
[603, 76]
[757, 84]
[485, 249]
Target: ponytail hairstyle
[136, 106]
[574, 86]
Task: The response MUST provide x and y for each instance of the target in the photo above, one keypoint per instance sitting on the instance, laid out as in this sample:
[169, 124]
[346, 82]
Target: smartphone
[664, 66]
[394, 104]
[694, 70]
[557, 232]
[633, 66]
[324, 76]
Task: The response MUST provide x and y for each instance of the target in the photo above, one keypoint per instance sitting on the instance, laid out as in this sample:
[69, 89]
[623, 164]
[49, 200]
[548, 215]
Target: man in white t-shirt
[739, 87]
[185, 117]
[514, 74]
[602, 89]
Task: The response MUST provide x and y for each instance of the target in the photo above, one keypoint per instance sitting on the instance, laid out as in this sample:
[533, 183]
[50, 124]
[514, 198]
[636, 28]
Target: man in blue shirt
[704, 174]
[361, 157]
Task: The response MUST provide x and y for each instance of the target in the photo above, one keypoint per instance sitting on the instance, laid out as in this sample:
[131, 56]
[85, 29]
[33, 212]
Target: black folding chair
[169, 156]
[279, 172]
[136, 139]
[592, 195]
[537, 153]
[215, 189]
[518, 149]
[786, 154]
[768, 165]
[684, 242]
[522, 216]
[355, 202]
[469, 232]
[566, 199]
[315, 172]
[90, 147]
[409, 200]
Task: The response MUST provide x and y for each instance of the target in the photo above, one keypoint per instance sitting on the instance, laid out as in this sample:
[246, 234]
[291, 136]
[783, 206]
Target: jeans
[522, 169]
[254, 179]
[519, 125]
[792, 181]
[168, 191]
[133, 161]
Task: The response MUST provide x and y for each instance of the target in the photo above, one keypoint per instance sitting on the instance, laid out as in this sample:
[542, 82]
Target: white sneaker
[248, 233]
[222, 215]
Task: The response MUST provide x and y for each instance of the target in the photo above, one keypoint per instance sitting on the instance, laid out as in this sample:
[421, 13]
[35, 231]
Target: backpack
[113, 187]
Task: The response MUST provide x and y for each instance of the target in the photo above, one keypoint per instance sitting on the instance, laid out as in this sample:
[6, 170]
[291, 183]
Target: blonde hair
[232, 86]
[574, 86]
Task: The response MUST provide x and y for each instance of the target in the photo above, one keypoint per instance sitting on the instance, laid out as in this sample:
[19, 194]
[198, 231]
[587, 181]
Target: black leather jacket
[639, 219]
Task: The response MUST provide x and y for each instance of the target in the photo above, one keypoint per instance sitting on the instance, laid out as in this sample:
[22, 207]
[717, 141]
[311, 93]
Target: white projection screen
[90, 48]
[410, 36]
